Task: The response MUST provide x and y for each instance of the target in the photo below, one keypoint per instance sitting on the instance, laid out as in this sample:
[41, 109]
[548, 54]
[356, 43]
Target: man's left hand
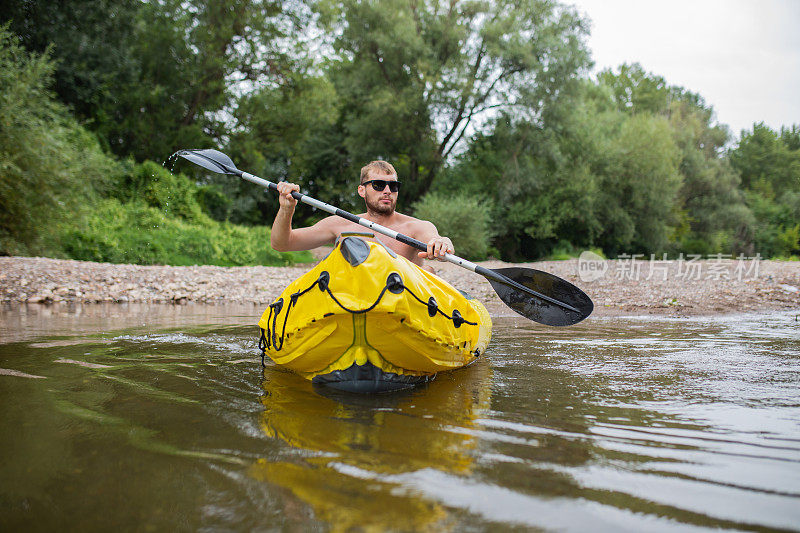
[437, 247]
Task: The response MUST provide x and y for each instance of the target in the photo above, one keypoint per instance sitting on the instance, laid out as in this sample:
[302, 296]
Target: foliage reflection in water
[615, 423]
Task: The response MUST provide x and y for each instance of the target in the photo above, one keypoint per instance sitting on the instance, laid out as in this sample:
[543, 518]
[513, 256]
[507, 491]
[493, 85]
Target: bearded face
[382, 203]
[379, 202]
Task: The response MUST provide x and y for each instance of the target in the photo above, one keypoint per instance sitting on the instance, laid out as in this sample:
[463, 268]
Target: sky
[741, 56]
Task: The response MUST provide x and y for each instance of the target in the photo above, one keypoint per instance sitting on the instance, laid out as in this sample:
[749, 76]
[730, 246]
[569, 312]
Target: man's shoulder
[336, 225]
[414, 227]
[333, 221]
[408, 220]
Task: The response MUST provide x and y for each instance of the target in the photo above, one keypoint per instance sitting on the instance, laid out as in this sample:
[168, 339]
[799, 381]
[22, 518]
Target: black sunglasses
[379, 185]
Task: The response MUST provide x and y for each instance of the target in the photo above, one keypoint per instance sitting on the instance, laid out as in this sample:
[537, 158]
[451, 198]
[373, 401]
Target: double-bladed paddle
[536, 295]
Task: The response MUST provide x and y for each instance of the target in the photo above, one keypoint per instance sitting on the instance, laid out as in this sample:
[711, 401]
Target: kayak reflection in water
[379, 188]
[359, 457]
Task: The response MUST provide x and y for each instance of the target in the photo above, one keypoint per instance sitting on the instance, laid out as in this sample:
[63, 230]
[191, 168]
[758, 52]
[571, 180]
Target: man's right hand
[285, 195]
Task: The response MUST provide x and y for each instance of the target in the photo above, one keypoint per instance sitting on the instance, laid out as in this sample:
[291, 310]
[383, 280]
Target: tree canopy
[486, 104]
[417, 78]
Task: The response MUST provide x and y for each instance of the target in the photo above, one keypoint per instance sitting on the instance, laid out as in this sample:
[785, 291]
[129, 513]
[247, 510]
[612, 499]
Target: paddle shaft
[405, 239]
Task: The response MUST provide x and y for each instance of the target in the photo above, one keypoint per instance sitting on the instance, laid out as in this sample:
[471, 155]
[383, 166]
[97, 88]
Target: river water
[161, 418]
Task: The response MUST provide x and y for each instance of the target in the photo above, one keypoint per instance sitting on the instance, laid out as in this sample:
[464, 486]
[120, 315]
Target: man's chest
[398, 247]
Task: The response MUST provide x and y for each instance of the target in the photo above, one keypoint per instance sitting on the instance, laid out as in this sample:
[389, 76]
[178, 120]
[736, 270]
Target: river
[156, 417]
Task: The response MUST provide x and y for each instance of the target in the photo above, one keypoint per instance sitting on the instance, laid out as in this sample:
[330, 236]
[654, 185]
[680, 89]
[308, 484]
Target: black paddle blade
[213, 160]
[540, 310]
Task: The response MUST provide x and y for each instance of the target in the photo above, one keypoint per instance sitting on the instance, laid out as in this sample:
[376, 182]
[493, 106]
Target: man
[379, 188]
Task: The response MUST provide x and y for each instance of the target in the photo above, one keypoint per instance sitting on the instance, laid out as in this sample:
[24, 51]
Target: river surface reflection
[160, 417]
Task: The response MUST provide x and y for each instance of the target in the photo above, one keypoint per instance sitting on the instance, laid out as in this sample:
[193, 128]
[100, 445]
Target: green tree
[769, 164]
[588, 175]
[50, 167]
[464, 219]
[712, 216]
[152, 77]
[90, 42]
[639, 185]
[768, 160]
[539, 194]
[287, 132]
[415, 78]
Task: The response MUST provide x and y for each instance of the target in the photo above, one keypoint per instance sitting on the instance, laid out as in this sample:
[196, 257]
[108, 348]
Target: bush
[562, 251]
[50, 167]
[789, 241]
[173, 194]
[137, 233]
[214, 202]
[466, 220]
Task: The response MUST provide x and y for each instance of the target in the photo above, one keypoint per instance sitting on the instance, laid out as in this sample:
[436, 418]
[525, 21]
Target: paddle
[537, 295]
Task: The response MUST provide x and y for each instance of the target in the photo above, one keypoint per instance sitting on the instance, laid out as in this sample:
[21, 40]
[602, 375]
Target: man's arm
[285, 239]
[437, 245]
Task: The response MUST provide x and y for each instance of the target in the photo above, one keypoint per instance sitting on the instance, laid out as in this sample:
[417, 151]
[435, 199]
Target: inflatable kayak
[367, 320]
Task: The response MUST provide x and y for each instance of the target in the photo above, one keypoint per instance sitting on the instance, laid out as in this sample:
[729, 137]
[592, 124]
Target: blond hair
[380, 167]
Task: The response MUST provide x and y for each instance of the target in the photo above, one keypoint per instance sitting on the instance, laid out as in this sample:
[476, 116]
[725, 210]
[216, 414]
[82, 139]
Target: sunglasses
[379, 185]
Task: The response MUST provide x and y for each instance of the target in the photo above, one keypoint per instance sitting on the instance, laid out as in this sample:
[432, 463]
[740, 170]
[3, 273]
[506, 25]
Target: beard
[379, 208]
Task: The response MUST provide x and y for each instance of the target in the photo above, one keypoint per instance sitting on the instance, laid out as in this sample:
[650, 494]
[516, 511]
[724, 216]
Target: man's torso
[404, 224]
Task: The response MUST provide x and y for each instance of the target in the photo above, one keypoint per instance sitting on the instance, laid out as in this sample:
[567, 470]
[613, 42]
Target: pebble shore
[672, 288]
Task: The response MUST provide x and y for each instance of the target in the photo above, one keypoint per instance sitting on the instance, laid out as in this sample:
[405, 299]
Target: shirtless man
[379, 189]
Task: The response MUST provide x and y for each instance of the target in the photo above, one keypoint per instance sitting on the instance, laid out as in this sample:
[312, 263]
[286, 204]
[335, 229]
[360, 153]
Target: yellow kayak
[367, 320]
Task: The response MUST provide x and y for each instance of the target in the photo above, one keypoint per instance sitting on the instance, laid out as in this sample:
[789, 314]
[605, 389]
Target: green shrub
[50, 167]
[136, 233]
[789, 241]
[466, 220]
[562, 251]
[174, 194]
[214, 202]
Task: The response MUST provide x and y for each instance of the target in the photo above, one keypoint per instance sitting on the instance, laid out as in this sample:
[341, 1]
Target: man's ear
[362, 191]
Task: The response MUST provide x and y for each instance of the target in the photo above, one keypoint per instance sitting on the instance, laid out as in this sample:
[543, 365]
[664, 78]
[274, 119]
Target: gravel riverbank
[672, 288]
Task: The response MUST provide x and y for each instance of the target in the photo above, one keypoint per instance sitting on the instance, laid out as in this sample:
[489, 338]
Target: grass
[136, 233]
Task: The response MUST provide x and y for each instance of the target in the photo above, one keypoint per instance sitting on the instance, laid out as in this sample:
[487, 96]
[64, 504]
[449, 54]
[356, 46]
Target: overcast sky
[741, 56]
